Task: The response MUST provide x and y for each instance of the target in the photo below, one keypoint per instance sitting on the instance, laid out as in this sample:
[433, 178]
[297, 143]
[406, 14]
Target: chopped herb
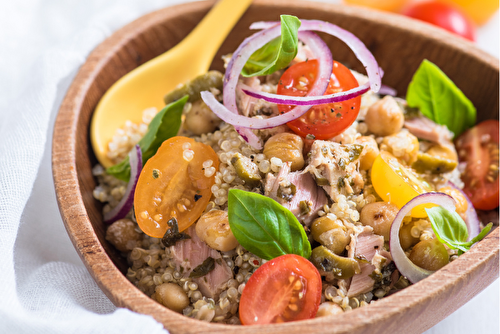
[173, 235]
[342, 163]
[354, 151]
[321, 181]
[311, 136]
[156, 173]
[207, 266]
[305, 207]
[338, 115]
[340, 183]
[197, 197]
[287, 197]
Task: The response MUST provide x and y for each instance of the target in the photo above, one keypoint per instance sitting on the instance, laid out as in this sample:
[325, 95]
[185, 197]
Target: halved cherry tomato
[286, 288]
[326, 120]
[443, 15]
[395, 183]
[479, 148]
[173, 184]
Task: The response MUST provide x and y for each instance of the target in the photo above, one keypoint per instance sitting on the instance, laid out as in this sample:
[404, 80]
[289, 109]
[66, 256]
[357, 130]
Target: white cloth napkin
[44, 286]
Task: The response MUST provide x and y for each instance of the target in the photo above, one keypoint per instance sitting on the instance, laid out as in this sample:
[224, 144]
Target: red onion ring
[229, 111]
[386, 90]
[472, 220]
[407, 268]
[127, 201]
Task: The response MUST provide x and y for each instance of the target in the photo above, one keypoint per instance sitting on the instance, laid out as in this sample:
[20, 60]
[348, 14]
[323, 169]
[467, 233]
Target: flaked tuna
[424, 128]
[190, 253]
[367, 245]
[335, 167]
[304, 199]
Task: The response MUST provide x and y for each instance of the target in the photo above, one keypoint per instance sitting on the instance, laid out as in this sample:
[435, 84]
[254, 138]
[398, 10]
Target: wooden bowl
[399, 45]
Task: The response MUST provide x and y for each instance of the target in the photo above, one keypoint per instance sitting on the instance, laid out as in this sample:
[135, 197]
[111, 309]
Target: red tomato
[287, 288]
[479, 148]
[443, 15]
[323, 121]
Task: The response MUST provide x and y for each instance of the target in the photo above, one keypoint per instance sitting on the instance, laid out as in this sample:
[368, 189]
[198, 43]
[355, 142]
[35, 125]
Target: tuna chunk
[311, 196]
[423, 128]
[245, 102]
[367, 246]
[336, 166]
[190, 253]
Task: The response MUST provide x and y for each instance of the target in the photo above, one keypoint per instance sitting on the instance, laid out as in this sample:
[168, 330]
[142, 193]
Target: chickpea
[172, 296]
[445, 152]
[385, 117]
[405, 237]
[213, 228]
[122, 235]
[286, 146]
[402, 145]
[379, 215]
[429, 254]
[369, 153]
[461, 204]
[328, 308]
[331, 234]
[200, 119]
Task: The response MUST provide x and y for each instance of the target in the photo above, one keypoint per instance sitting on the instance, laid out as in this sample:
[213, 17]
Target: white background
[44, 287]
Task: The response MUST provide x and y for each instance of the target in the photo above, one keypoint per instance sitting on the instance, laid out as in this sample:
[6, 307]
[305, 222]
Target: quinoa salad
[225, 218]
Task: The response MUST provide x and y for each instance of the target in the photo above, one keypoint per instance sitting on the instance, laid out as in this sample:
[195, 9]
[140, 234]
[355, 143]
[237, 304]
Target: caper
[329, 262]
[429, 254]
[330, 233]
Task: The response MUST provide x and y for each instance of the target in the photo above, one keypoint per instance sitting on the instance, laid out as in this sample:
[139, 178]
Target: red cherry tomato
[443, 15]
[479, 148]
[326, 120]
[287, 288]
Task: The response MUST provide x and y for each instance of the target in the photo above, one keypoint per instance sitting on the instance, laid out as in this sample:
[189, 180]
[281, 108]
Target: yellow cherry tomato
[388, 5]
[175, 183]
[396, 184]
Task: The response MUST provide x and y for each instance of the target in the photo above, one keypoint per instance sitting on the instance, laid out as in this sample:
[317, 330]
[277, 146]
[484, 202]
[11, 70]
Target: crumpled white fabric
[44, 286]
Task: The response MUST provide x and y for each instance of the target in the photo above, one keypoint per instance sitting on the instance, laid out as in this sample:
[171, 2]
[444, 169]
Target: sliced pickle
[433, 164]
[246, 169]
[329, 262]
[193, 88]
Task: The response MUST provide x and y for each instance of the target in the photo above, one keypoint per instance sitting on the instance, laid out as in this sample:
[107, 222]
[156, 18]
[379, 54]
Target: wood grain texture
[398, 44]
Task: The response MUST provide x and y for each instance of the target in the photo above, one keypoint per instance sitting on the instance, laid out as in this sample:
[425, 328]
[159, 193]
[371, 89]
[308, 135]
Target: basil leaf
[439, 99]
[276, 54]
[451, 229]
[163, 126]
[264, 227]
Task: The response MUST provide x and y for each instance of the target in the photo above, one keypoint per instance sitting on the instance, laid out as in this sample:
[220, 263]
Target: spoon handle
[224, 15]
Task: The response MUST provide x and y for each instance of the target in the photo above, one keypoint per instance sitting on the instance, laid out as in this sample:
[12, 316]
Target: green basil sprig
[276, 54]
[439, 99]
[264, 227]
[163, 126]
[450, 229]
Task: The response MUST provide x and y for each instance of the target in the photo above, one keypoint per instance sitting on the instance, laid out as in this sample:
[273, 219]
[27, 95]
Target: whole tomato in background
[446, 16]
[478, 10]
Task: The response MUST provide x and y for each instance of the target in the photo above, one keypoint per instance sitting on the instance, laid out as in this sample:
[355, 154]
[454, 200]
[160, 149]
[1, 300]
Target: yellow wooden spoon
[146, 85]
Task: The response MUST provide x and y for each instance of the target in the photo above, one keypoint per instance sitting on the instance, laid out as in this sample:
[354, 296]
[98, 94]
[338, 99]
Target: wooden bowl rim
[123, 294]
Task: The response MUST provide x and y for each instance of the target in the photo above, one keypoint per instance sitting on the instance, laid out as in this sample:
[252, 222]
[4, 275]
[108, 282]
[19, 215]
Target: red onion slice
[407, 268]
[127, 201]
[229, 111]
[386, 90]
[472, 220]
